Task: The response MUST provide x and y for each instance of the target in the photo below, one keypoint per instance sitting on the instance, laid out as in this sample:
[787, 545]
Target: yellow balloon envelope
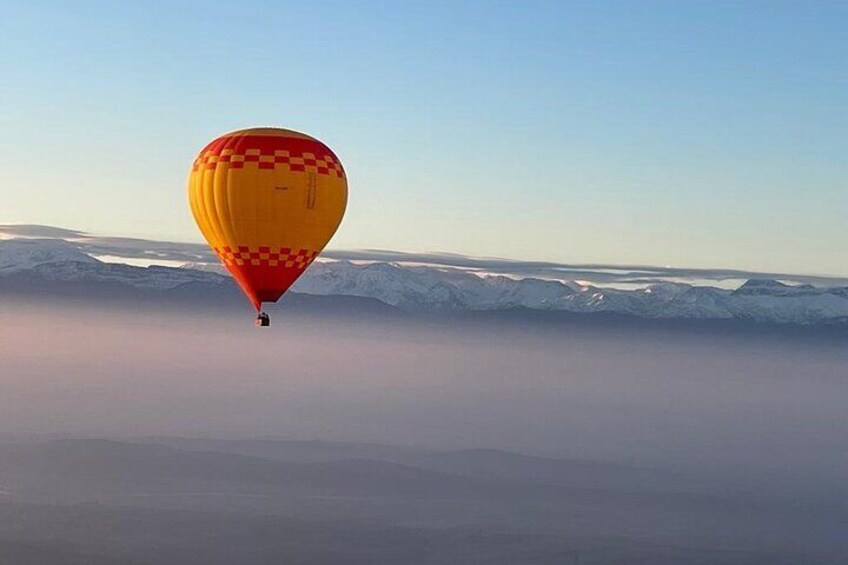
[267, 200]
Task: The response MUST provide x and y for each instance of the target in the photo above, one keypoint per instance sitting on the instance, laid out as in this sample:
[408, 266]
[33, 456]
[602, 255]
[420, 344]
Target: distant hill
[108, 466]
[175, 500]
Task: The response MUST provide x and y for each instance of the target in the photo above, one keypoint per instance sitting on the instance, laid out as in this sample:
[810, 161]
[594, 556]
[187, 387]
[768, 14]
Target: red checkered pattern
[265, 256]
[302, 162]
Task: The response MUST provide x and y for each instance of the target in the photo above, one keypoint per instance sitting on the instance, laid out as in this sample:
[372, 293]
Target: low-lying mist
[152, 432]
[767, 408]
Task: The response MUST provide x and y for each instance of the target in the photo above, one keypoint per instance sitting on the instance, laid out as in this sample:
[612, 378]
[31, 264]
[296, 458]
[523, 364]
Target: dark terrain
[177, 500]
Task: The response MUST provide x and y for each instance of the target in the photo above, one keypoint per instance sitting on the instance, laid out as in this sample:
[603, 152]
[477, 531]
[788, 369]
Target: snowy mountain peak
[772, 287]
[22, 254]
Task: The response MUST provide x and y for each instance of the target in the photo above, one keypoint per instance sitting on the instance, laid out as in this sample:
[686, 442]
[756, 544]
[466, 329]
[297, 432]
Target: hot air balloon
[267, 200]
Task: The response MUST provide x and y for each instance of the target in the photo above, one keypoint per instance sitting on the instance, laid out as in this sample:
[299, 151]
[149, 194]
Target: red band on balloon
[301, 155]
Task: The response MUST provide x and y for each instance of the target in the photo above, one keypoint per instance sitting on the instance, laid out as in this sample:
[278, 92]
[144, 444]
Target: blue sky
[692, 134]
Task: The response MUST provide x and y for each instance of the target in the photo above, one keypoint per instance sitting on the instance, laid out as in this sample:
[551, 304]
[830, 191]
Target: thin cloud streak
[169, 252]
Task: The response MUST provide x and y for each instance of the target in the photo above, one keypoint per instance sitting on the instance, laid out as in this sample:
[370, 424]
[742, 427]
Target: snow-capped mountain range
[412, 286]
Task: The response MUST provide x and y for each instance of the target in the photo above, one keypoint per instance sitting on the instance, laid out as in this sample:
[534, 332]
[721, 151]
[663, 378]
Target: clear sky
[698, 134]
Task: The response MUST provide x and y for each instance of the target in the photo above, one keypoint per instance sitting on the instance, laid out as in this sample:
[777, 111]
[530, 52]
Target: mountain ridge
[45, 264]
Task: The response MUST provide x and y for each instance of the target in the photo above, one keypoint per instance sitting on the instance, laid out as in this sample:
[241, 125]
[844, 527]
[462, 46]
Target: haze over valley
[151, 427]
